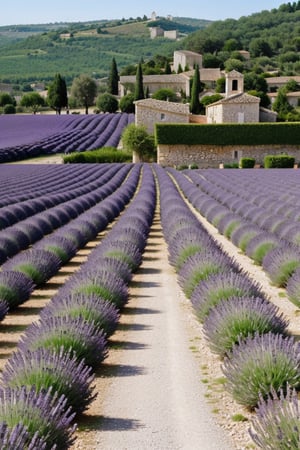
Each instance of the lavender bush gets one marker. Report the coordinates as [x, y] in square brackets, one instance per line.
[18, 438]
[293, 288]
[281, 262]
[39, 265]
[15, 287]
[221, 287]
[90, 307]
[276, 425]
[260, 363]
[81, 338]
[43, 414]
[46, 368]
[236, 318]
[260, 245]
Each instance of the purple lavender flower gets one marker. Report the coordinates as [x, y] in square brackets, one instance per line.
[102, 313]
[236, 318]
[15, 287]
[18, 438]
[281, 262]
[44, 368]
[276, 424]
[260, 363]
[260, 245]
[219, 287]
[43, 414]
[293, 287]
[83, 339]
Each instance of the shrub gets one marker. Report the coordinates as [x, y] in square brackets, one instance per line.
[39, 265]
[241, 235]
[91, 308]
[101, 156]
[4, 307]
[260, 363]
[43, 414]
[15, 287]
[281, 262]
[18, 438]
[76, 335]
[260, 245]
[46, 368]
[276, 425]
[107, 103]
[9, 109]
[293, 288]
[221, 287]
[279, 162]
[62, 247]
[199, 267]
[236, 318]
[127, 104]
[228, 223]
[247, 163]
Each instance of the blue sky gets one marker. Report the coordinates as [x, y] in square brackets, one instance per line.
[35, 11]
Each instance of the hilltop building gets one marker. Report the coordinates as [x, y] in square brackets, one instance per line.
[186, 59]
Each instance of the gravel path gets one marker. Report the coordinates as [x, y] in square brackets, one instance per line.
[150, 391]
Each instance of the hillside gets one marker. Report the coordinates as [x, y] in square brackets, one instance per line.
[35, 53]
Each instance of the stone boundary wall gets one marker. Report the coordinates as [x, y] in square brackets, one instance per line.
[211, 156]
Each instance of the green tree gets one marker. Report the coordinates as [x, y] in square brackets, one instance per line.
[113, 79]
[281, 104]
[168, 70]
[84, 90]
[195, 106]
[135, 138]
[139, 87]
[165, 94]
[127, 104]
[107, 103]
[33, 101]
[6, 99]
[9, 109]
[57, 95]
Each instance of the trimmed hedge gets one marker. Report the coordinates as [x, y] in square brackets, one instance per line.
[228, 134]
[247, 163]
[102, 155]
[279, 162]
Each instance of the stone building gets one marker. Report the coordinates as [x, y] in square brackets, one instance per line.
[148, 112]
[178, 83]
[186, 59]
[236, 106]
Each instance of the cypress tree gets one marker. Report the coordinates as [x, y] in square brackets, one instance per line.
[57, 94]
[195, 106]
[139, 88]
[113, 80]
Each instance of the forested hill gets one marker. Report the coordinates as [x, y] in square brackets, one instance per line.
[31, 53]
[264, 34]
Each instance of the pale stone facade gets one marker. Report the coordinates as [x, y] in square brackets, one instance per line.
[148, 112]
[240, 108]
[178, 83]
[185, 58]
[211, 156]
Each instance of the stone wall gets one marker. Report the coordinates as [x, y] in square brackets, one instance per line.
[211, 156]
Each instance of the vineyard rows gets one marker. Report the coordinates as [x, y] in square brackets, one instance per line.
[48, 213]
[25, 136]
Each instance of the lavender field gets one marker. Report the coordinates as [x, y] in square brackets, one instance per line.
[48, 213]
[25, 136]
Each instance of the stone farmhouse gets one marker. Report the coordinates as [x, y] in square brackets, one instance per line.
[236, 106]
[186, 60]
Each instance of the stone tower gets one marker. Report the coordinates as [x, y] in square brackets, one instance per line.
[234, 83]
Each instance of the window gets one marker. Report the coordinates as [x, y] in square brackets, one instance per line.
[162, 116]
[234, 85]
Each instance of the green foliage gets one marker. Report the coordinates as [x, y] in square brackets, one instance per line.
[126, 104]
[57, 96]
[279, 161]
[165, 94]
[6, 99]
[195, 106]
[208, 99]
[247, 163]
[107, 103]
[32, 101]
[113, 79]
[228, 134]
[136, 139]
[139, 88]
[84, 90]
[9, 109]
[102, 155]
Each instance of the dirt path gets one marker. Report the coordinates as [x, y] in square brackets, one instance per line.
[151, 394]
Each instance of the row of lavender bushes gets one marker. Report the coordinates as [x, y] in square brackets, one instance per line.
[71, 134]
[49, 379]
[264, 225]
[36, 265]
[260, 361]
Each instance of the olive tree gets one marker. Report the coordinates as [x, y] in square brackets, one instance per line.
[84, 90]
